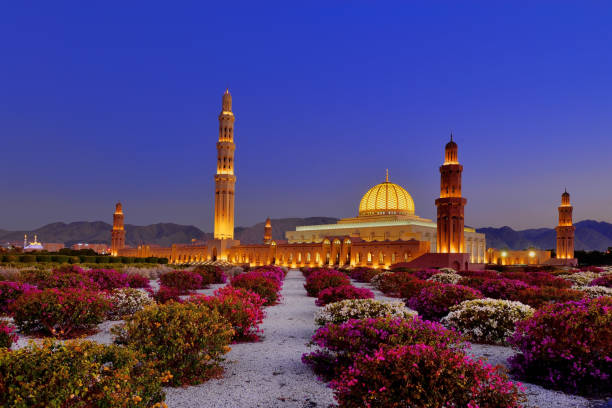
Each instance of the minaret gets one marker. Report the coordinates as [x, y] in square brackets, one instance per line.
[225, 179]
[267, 232]
[450, 233]
[118, 232]
[565, 229]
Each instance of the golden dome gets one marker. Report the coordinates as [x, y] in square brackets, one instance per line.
[386, 198]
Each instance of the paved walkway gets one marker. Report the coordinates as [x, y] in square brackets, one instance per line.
[268, 373]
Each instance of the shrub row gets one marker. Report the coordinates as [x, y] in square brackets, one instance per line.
[44, 258]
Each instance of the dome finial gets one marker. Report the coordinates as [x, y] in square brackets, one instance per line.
[451, 135]
[387, 176]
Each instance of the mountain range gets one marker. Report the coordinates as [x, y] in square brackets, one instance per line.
[590, 235]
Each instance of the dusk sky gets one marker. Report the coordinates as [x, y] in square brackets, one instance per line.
[118, 101]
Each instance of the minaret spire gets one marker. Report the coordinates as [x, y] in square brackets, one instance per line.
[387, 176]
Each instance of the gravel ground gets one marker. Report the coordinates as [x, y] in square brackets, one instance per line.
[268, 373]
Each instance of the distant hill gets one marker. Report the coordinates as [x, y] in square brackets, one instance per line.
[163, 234]
[590, 235]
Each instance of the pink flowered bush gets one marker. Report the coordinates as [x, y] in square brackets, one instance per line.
[165, 294]
[362, 274]
[503, 288]
[58, 312]
[338, 345]
[433, 302]
[422, 375]
[108, 279]
[137, 281]
[242, 308]
[567, 346]
[323, 279]
[7, 335]
[605, 280]
[425, 274]
[337, 293]
[539, 279]
[184, 281]
[265, 284]
[10, 291]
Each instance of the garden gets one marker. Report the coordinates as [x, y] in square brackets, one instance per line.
[156, 335]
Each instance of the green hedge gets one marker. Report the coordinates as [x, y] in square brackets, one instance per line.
[62, 259]
[27, 258]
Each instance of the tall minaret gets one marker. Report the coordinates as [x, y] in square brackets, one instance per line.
[225, 179]
[267, 232]
[565, 229]
[450, 238]
[118, 231]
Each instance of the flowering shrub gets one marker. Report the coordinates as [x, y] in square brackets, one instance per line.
[210, 274]
[339, 344]
[320, 280]
[390, 283]
[445, 277]
[488, 321]
[538, 297]
[595, 269]
[411, 288]
[10, 291]
[433, 302]
[501, 288]
[7, 335]
[486, 274]
[595, 291]
[242, 308]
[567, 346]
[538, 279]
[272, 270]
[138, 281]
[108, 279]
[165, 294]
[425, 274]
[127, 301]
[184, 281]
[78, 374]
[421, 375]
[605, 280]
[265, 286]
[59, 312]
[580, 278]
[337, 293]
[362, 274]
[190, 344]
[63, 280]
[340, 312]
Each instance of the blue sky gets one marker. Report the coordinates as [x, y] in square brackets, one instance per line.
[119, 101]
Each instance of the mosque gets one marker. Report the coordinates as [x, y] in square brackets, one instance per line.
[385, 232]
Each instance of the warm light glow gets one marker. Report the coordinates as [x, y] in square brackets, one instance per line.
[386, 198]
[531, 254]
[504, 254]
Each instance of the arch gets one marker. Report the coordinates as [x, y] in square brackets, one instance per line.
[381, 258]
[369, 257]
[214, 254]
[307, 256]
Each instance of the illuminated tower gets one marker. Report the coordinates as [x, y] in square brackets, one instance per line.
[450, 234]
[268, 232]
[118, 232]
[565, 230]
[225, 179]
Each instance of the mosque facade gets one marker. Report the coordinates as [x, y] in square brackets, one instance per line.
[386, 230]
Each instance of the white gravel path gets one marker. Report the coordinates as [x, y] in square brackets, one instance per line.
[268, 373]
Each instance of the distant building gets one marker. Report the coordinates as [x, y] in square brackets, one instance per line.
[522, 257]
